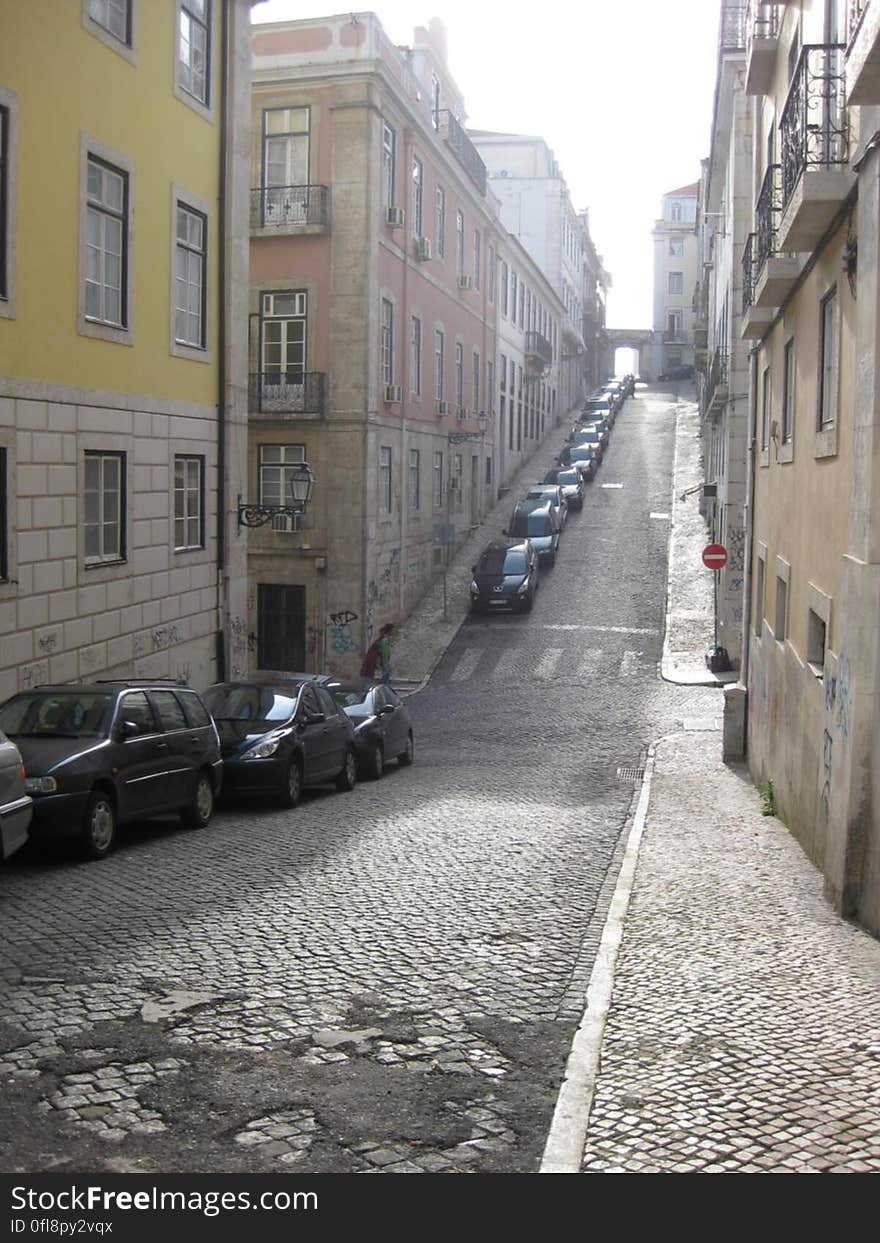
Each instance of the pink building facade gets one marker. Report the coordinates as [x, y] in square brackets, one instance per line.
[374, 335]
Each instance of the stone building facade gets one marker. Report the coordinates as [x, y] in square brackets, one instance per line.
[122, 321]
[381, 277]
[676, 273]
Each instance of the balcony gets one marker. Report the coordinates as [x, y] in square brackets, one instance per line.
[863, 53]
[450, 128]
[773, 274]
[815, 147]
[717, 388]
[762, 32]
[755, 319]
[538, 351]
[277, 393]
[289, 209]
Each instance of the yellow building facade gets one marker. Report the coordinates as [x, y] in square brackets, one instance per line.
[122, 320]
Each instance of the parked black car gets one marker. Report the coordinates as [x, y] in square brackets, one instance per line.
[589, 440]
[682, 372]
[382, 725]
[538, 524]
[100, 754]
[279, 736]
[571, 480]
[505, 577]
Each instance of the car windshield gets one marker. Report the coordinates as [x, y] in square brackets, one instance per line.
[229, 702]
[353, 702]
[542, 494]
[528, 526]
[501, 561]
[568, 476]
[61, 714]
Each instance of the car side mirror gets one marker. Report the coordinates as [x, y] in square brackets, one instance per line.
[386, 709]
[128, 729]
[473, 569]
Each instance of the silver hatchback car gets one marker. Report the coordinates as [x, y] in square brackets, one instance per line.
[16, 807]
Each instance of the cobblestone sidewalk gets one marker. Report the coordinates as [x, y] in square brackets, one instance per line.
[744, 1026]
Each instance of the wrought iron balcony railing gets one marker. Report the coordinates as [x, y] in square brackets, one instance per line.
[733, 25]
[285, 207]
[762, 20]
[814, 128]
[450, 128]
[855, 12]
[539, 348]
[767, 212]
[286, 392]
[748, 266]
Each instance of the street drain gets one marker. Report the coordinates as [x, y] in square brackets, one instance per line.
[630, 774]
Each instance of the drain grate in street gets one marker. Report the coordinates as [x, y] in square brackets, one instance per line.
[625, 773]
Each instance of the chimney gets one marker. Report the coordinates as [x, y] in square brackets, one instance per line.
[437, 36]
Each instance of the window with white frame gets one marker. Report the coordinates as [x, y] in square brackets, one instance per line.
[416, 196]
[829, 354]
[193, 48]
[114, 16]
[765, 409]
[459, 242]
[760, 589]
[438, 479]
[386, 342]
[385, 479]
[477, 258]
[676, 283]
[490, 275]
[522, 303]
[674, 325]
[283, 320]
[676, 246]
[440, 220]
[816, 639]
[106, 244]
[504, 287]
[286, 139]
[389, 163]
[513, 284]
[189, 492]
[189, 278]
[787, 430]
[459, 374]
[475, 383]
[414, 480]
[780, 624]
[458, 478]
[490, 386]
[276, 466]
[439, 363]
[415, 356]
[104, 507]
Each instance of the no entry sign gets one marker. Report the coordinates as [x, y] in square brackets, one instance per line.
[714, 556]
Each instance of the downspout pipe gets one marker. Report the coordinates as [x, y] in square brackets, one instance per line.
[220, 641]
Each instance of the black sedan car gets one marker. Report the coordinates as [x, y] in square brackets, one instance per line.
[571, 480]
[382, 726]
[101, 754]
[505, 577]
[279, 736]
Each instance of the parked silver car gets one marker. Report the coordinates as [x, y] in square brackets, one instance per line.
[16, 807]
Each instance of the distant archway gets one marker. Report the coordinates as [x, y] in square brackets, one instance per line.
[640, 341]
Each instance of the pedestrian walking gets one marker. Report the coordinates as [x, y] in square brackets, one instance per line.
[377, 658]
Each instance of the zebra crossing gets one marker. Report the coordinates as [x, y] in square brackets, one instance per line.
[518, 662]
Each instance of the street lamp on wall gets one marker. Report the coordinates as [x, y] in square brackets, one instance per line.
[302, 482]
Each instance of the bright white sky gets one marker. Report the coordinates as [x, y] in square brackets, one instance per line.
[622, 91]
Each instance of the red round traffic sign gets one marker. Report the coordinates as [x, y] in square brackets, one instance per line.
[714, 556]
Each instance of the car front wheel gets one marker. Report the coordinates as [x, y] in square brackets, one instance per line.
[347, 779]
[407, 755]
[291, 788]
[200, 810]
[375, 765]
[99, 826]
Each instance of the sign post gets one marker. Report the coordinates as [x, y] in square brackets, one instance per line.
[715, 559]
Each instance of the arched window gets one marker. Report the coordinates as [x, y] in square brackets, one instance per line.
[676, 211]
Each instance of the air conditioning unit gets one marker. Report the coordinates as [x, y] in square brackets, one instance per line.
[287, 524]
[393, 392]
[465, 281]
[463, 413]
[395, 216]
[423, 248]
[442, 407]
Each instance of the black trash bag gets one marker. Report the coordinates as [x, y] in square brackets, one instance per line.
[718, 660]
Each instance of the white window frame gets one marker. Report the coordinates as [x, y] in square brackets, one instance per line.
[415, 355]
[477, 258]
[386, 341]
[87, 326]
[117, 553]
[438, 478]
[676, 247]
[386, 492]
[760, 602]
[458, 475]
[459, 241]
[459, 374]
[127, 47]
[9, 190]
[783, 579]
[766, 410]
[417, 186]
[389, 163]
[819, 605]
[273, 477]
[196, 210]
[189, 496]
[475, 381]
[440, 221]
[490, 275]
[786, 421]
[829, 360]
[675, 284]
[414, 495]
[439, 363]
[185, 9]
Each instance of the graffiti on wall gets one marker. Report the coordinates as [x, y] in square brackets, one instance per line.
[339, 636]
[380, 588]
[736, 542]
[164, 636]
[827, 766]
[838, 691]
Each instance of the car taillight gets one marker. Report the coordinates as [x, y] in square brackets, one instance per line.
[22, 771]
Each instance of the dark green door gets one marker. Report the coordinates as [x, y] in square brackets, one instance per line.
[281, 627]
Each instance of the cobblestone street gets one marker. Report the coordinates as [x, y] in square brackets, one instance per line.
[385, 980]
